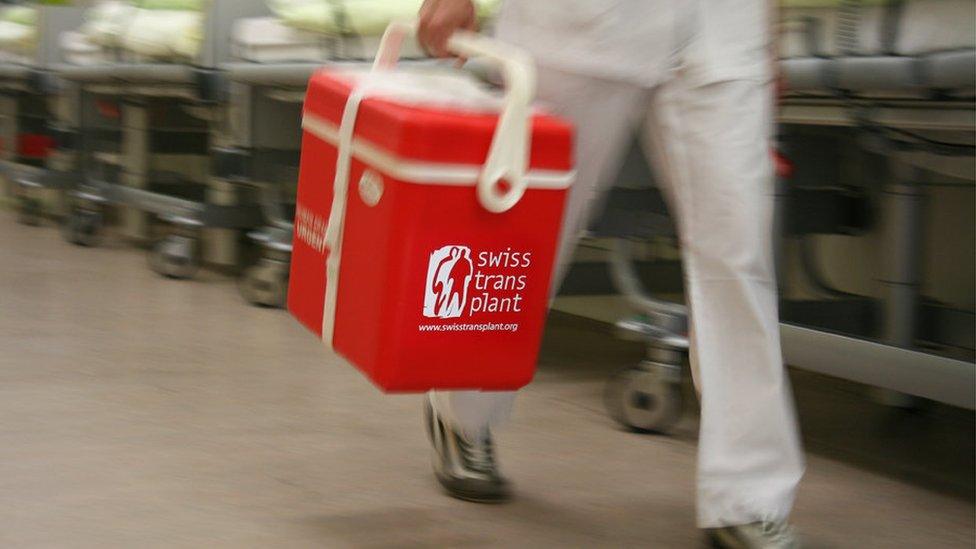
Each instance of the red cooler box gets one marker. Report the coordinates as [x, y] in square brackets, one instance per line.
[427, 223]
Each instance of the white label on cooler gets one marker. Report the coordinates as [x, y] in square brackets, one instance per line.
[449, 274]
[310, 228]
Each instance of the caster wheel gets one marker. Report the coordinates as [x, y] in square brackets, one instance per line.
[175, 257]
[29, 211]
[83, 227]
[266, 284]
[646, 399]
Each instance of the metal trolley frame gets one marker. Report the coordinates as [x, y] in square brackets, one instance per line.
[263, 149]
[30, 100]
[204, 220]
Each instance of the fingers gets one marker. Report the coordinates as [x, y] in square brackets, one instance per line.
[423, 23]
[439, 19]
[428, 27]
[434, 35]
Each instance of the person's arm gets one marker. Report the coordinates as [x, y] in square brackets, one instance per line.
[439, 19]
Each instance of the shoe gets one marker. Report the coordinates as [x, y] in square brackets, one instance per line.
[466, 468]
[758, 535]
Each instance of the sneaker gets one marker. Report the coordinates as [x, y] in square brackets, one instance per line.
[758, 535]
[465, 467]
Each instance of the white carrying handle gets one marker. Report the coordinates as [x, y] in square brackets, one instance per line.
[508, 157]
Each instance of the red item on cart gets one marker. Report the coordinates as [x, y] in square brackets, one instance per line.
[425, 233]
[32, 145]
[35, 146]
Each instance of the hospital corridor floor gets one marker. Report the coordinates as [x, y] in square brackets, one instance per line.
[137, 411]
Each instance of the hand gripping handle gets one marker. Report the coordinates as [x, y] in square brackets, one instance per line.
[508, 156]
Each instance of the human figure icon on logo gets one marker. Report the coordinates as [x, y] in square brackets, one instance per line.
[448, 275]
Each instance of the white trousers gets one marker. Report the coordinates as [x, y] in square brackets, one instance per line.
[709, 142]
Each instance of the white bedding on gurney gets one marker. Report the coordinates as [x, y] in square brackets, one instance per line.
[355, 17]
[812, 28]
[303, 31]
[18, 33]
[322, 30]
[170, 30]
[270, 40]
[879, 47]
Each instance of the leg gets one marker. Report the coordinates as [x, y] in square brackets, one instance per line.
[473, 412]
[712, 141]
[604, 113]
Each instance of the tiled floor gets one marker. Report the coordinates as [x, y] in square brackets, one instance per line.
[142, 412]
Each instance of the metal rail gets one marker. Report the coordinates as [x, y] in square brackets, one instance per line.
[135, 73]
[903, 370]
[285, 74]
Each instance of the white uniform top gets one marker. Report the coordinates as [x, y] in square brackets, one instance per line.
[640, 40]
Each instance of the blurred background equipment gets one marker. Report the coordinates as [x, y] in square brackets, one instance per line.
[877, 123]
[176, 124]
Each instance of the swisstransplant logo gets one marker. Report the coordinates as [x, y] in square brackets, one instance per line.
[448, 277]
[461, 282]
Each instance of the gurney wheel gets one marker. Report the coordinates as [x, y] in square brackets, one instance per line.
[646, 399]
[83, 227]
[29, 211]
[175, 256]
[266, 284]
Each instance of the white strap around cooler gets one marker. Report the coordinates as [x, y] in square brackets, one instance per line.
[337, 215]
[507, 157]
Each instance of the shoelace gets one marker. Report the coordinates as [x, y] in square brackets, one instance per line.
[478, 455]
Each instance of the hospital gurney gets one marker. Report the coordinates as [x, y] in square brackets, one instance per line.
[267, 80]
[898, 77]
[31, 163]
[262, 150]
[169, 108]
